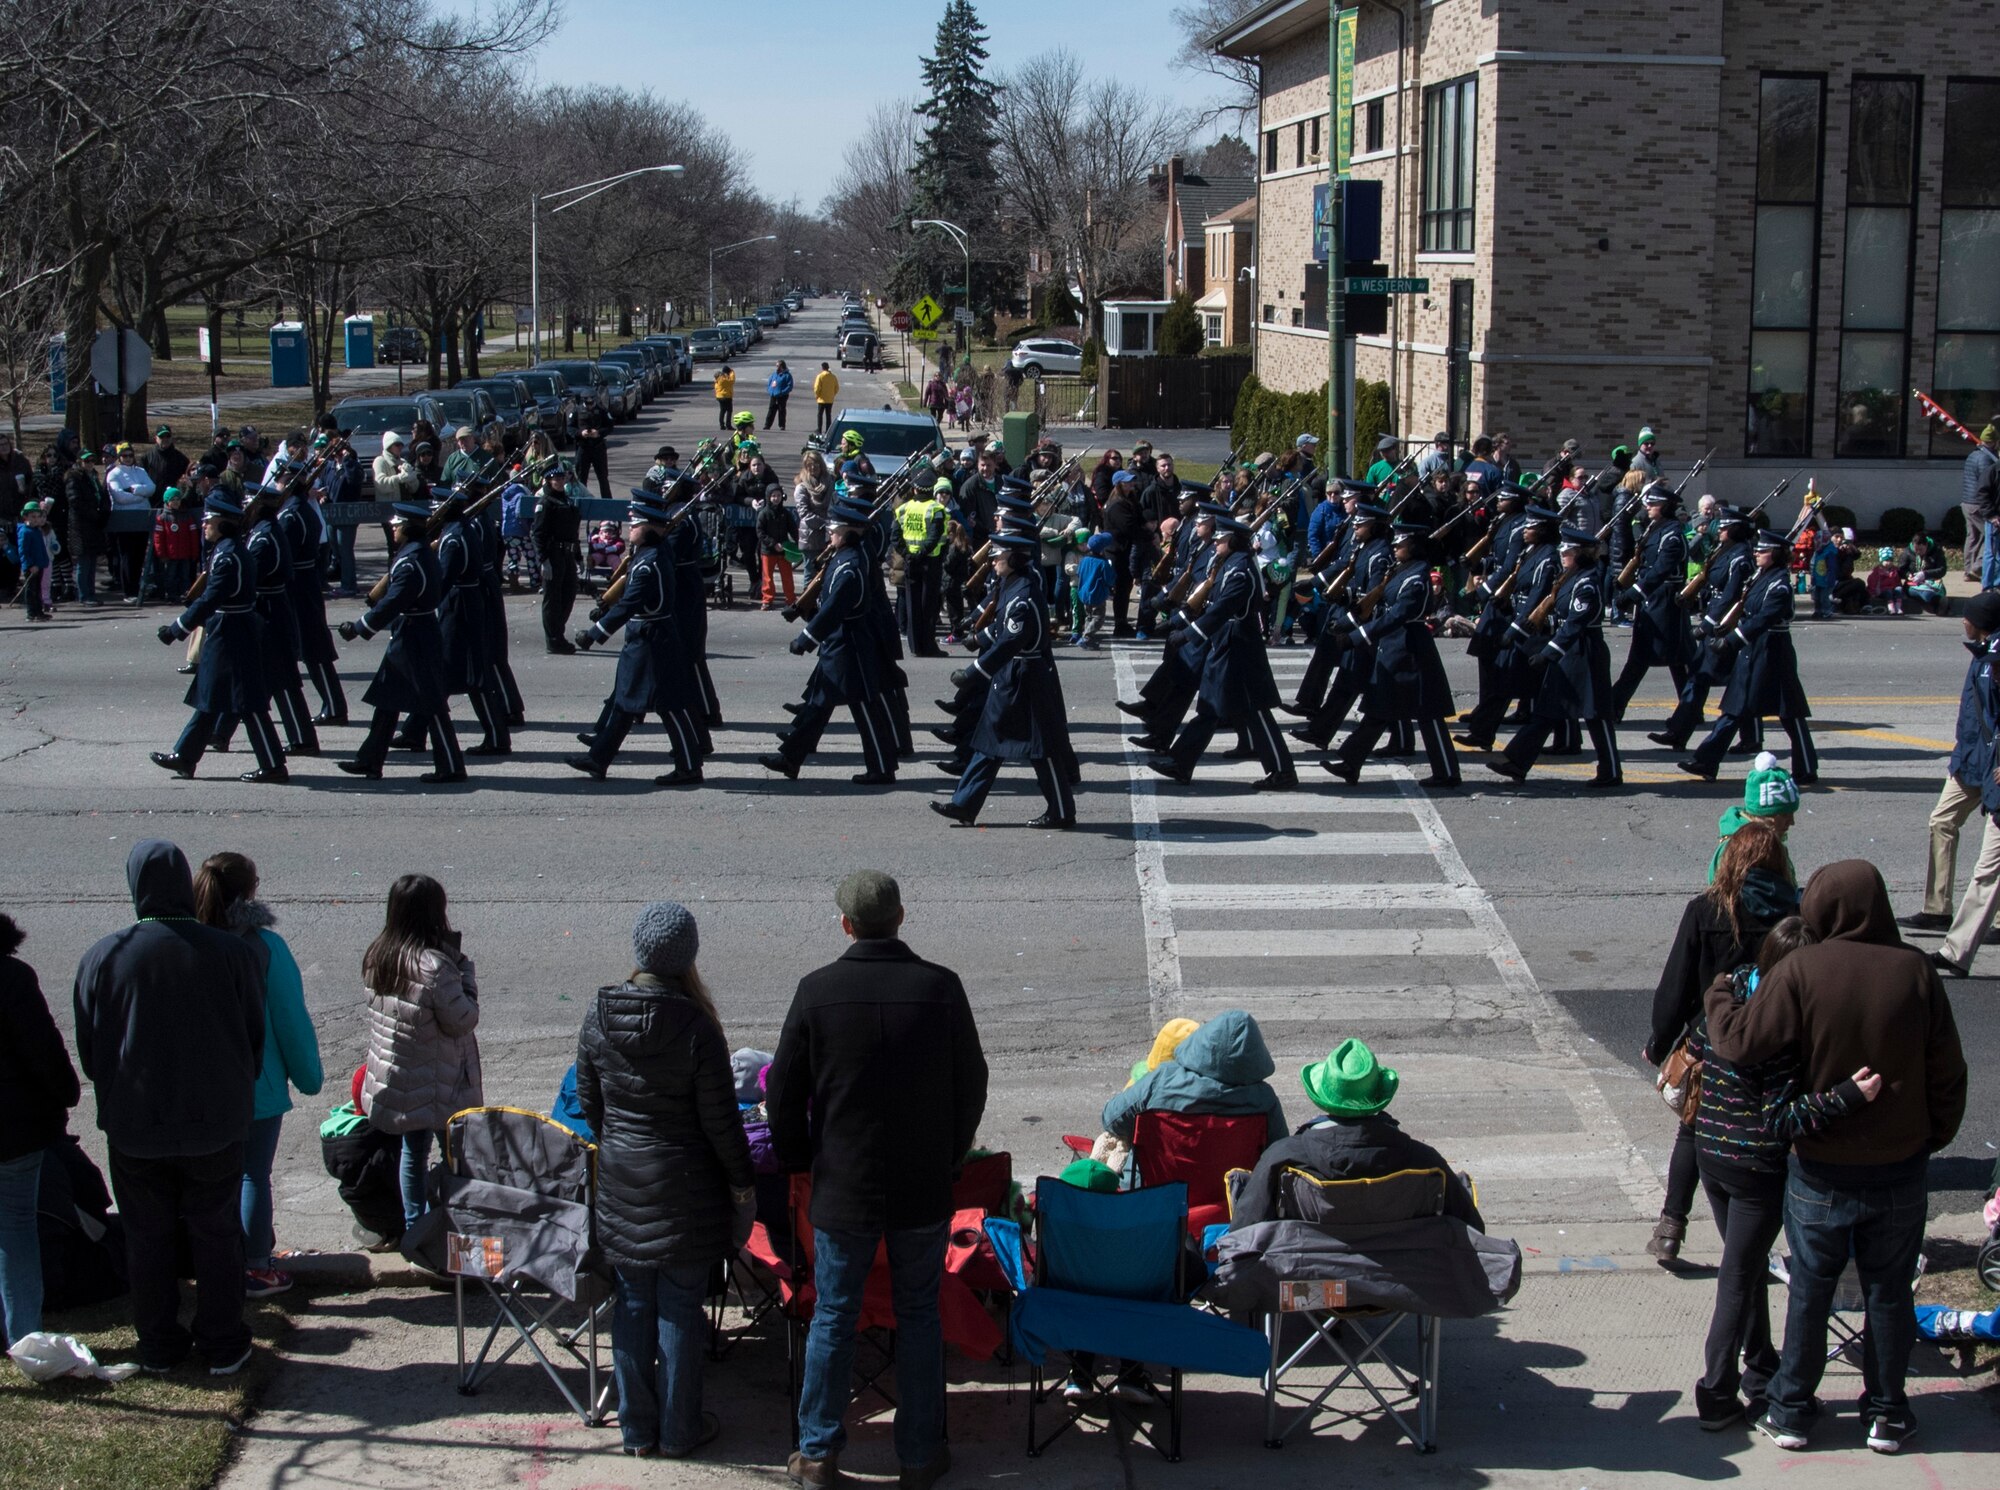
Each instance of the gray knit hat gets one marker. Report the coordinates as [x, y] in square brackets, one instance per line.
[664, 939]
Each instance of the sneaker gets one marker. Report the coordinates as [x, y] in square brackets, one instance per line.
[234, 1366]
[264, 1283]
[1784, 1438]
[1078, 1390]
[1136, 1389]
[1715, 1416]
[1886, 1435]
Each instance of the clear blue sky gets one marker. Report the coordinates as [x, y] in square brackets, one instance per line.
[792, 81]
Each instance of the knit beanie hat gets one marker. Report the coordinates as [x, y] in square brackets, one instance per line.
[664, 939]
[1088, 1174]
[1769, 791]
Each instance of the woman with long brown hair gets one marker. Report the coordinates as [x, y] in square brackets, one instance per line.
[1753, 889]
[225, 897]
[423, 1009]
[674, 1185]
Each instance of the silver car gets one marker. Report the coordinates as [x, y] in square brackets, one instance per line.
[1038, 355]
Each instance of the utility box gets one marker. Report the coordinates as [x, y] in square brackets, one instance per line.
[360, 336]
[291, 367]
[1018, 433]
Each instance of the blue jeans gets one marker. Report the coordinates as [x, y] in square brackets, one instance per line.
[260, 1149]
[1989, 566]
[86, 579]
[1882, 1229]
[410, 1173]
[20, 1247]
[840, 1269]
[657, 1334]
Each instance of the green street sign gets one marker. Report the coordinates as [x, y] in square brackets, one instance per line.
[1387, 286]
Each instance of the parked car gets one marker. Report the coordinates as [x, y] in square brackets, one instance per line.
[854, 327]
[795, 302]
[1038, 355]
[365, 421]
[677, 348]
[552, 402]
[888, 436]
[634, 362]
[448, 408]
[750, 328]
[767, 315]
[860, 349]
[510, 401]
[738, 334]
[579, 375]
[656, 364]
[620, 383]
[401, 344]
[710, 344]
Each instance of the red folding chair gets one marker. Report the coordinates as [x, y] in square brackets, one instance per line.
[1197, 1149]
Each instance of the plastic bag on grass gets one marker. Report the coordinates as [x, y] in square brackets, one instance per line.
[44, 1357]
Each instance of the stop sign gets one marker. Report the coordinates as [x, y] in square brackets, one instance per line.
[900, 320]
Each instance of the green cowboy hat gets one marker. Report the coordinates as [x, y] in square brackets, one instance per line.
[1350, 1082]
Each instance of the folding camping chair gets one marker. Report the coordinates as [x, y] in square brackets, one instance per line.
[514, 1198]
[1356, 1339]
[1110, 1280]
[1847, 1319]
[1196, 1149]
[718, 583]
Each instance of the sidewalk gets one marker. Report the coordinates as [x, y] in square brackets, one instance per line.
[1584, 1385]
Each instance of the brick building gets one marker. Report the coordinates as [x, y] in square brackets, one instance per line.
[1752, 226]
[1229, 253]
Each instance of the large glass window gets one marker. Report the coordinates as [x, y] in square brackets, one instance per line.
[1784, 281]
[1451, 135]
[1875, 285]
[1965, 376]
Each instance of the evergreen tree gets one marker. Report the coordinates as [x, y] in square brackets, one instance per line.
[1180, 332]
[954, 177]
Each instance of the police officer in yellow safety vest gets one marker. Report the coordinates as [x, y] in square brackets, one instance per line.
[921, 523]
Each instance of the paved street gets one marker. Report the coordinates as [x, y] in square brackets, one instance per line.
[1498, 946]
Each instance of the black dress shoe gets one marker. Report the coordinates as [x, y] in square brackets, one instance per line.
[404, 742]
[1660, 737]
[779, 764]
[584, 764]
[1442, 783]
[1137, 711]
[323, 717]
[302, 751]
[1298, 711]
[185, 668]
[490, 747]
[442, 778]
[1164, 765]
[678, 778]
[1277, 781]
[946, 734]
[1472, 742]
[950, 768]
[355, 768]
[954, 707]
[1347, 773]
[1921, 921]
[166, 760]
[266, 774]
[1502, 765]
[1152, 744]
[561, 647]
[1050, 820]
[796, 708]
[873, 778]
[1696, 768]
[585, 737]
[962, 816]
[1307, 737]
[1605, 783]
[517, 719]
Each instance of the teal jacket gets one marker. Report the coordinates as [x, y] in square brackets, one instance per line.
[291, 1049]
[1223, 1068]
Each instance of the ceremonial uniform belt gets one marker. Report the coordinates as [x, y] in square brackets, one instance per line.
[236, 610]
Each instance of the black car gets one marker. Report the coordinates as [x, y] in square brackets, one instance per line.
[512, 402]
[552, 402]
[401, 344]
[364, 421]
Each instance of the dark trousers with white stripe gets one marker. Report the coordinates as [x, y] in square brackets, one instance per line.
[1527, 745]
[616, 724]
[871, 723]
[1264, 739]
[1326, 654]
[446, 758]
[1805, 755]
[982, 770]
[896, 703]
[1437, 743]
[295, 715]
[1638, 662]
[332, 702]
[489, 707]
[204, 727]
[1330, 715]
[1481, 722]
[1687, 716]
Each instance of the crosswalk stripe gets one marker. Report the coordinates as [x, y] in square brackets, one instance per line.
[1259, 844]
[1437, 941]
[1288, 804]
[1432, 895]
[1430, 1003]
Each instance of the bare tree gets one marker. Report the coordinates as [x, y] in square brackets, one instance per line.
[1197, 21]
[871, 195]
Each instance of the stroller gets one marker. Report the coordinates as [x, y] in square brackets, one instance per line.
[1988, 1264]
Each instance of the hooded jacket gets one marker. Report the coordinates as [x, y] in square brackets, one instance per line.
[654, 1081]
[1222, 1068]
[169, 1019]
[1860, 997]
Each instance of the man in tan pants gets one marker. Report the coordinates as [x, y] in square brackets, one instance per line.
[1970, 785]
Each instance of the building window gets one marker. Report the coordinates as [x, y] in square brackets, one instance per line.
[1370, 130]
[1299, 143]
[1315, 297]
[1875, 286]
[1966, 375]
[1315, 138]
[1270, 315]
[1270, 150]
[1784, 275]
[1211, 327]
[1451, 133]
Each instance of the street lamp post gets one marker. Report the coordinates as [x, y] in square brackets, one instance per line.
[579, 193]
[760, 238]
[964, 241]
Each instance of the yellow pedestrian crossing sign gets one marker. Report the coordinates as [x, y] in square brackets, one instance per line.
[926, 313]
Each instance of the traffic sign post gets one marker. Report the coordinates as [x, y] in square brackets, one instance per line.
[120, 363]
[900, 321]
[961, 316]
[1388, 286]
[926, 313]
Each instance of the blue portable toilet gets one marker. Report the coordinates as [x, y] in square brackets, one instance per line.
[360, 341]
[290, 366]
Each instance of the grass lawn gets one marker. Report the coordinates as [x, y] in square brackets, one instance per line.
[148, 1432]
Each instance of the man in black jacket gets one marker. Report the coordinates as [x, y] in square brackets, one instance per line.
[555, 534]
[878, 1087]
[170, 1031]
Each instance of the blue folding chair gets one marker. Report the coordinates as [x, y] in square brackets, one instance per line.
[1110, 1280]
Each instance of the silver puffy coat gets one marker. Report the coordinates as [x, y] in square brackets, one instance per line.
[423, 1057]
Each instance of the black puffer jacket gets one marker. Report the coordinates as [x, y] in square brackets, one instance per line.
[653, 1078]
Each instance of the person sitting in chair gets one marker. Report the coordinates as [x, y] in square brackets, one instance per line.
[1222, 1068]
[1353, 1139]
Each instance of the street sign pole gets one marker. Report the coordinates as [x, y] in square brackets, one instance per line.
[1341, 28]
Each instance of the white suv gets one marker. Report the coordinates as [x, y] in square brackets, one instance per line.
[1037, 356]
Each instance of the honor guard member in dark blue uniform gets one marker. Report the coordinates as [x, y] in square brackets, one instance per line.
[690, 589]
[1167, 695]
[271, 560]
[1409, 680]
[1013, 518]
[1498, 684]
[850, 668]
[1572, 668]
[1728, 577]
[880, 614]
[1659, 624]
[300, 523]
[411, 677]
[1373, 558]
[465, 627]
[1022, 716]
[1328, 646]
[654, 675]
[1236, 686]
[491, 551]
[1520, 645]
[230, 678]
[1763, 667]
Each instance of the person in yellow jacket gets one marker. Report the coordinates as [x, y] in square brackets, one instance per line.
[826, 387]
[921, 522]
[725, 395]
